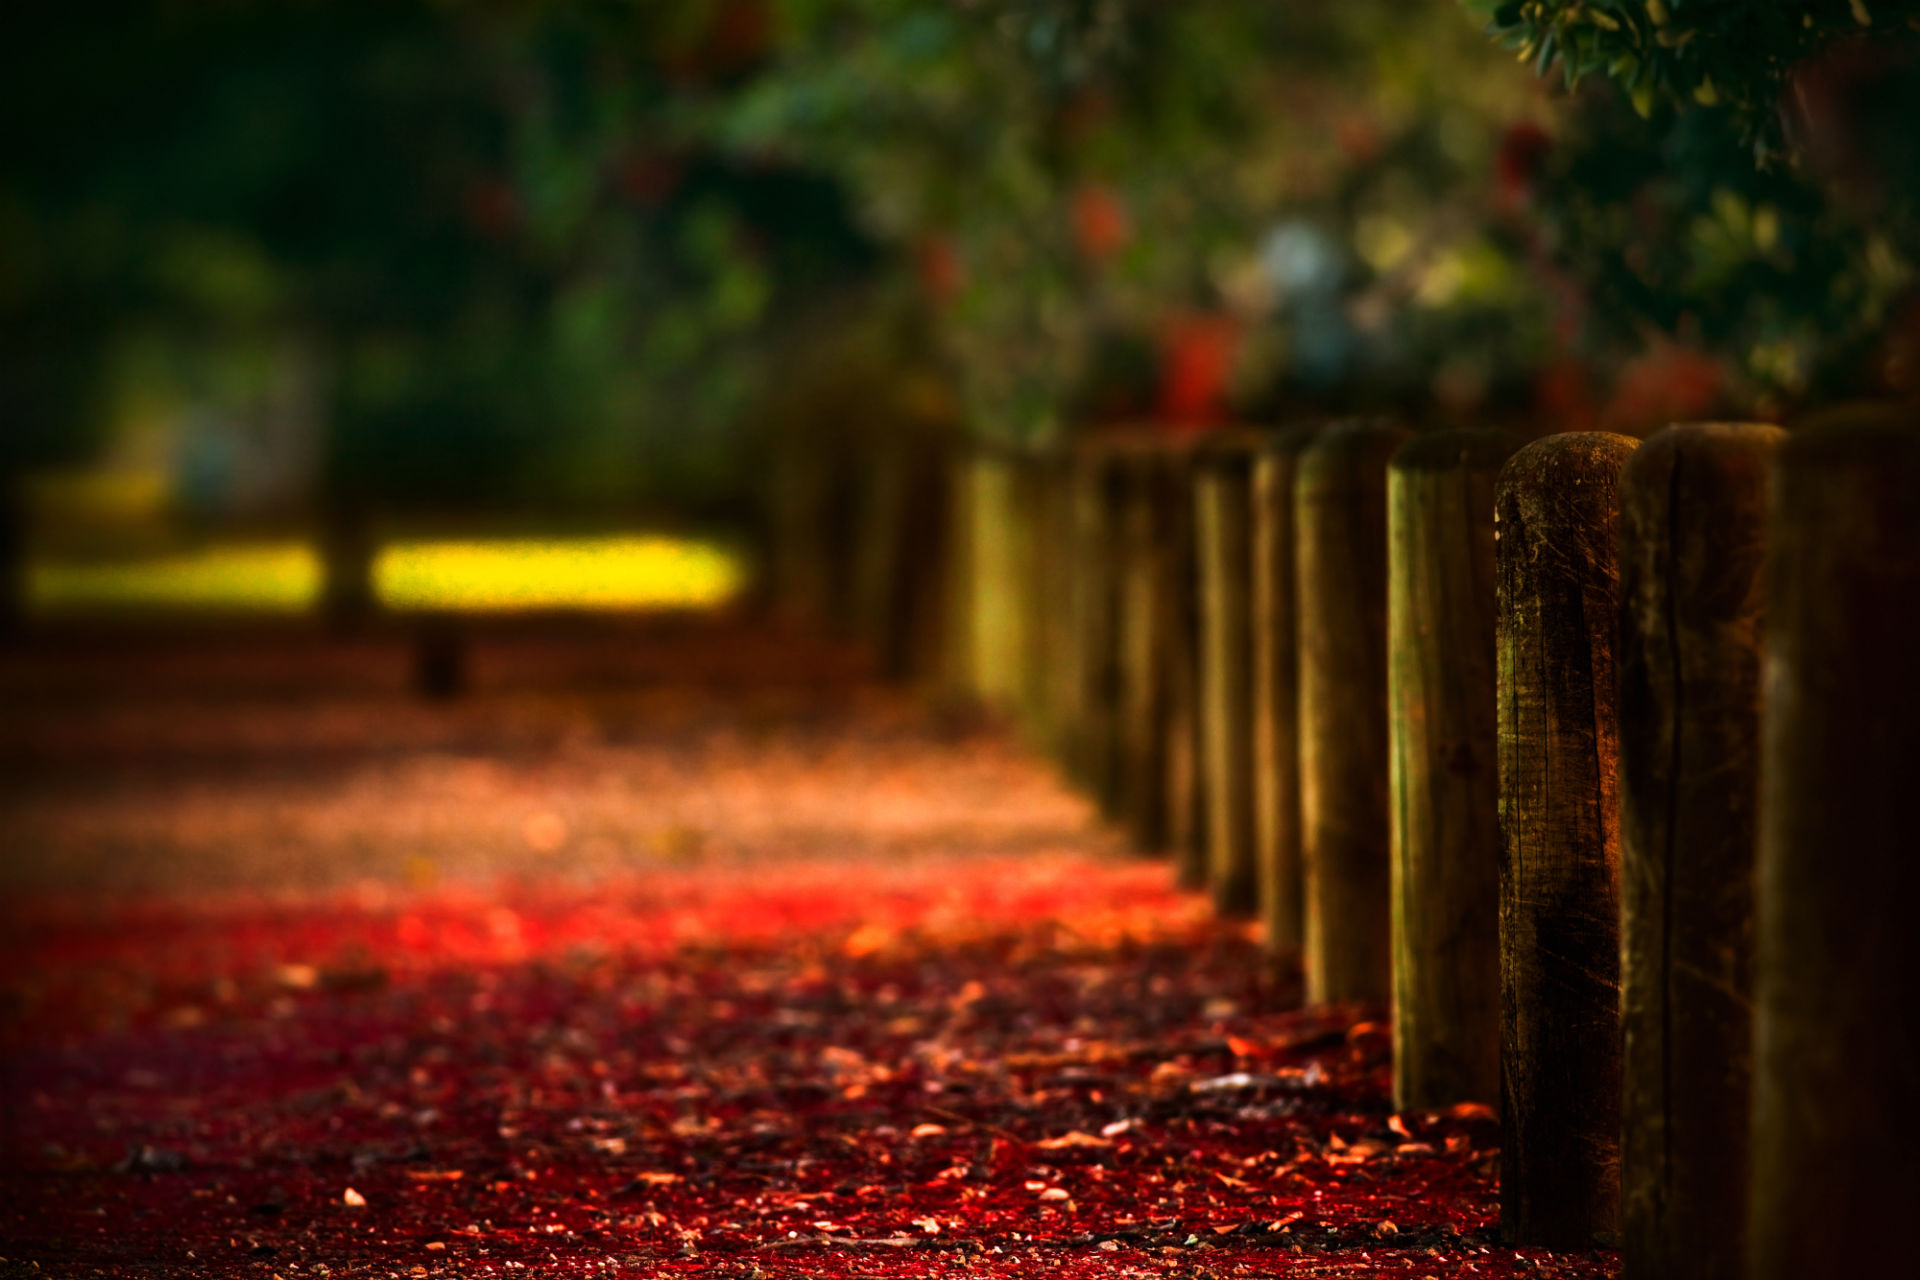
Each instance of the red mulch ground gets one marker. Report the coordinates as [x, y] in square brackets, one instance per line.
[671, 950]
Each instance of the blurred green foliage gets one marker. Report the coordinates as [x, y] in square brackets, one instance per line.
[1757, 205]
[1738, 55]
[1099, 194]
[575, 252]
[470, 223]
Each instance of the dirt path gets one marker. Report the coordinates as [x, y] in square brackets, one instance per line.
[669, 950]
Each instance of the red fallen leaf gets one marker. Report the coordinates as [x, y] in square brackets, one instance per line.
[1242, 1048]
[657, 1178]
[436, 1175]
[1073, 1139]
[928, 1131]
[1281, 1224]
[1399, 1126]
[1477, 1111]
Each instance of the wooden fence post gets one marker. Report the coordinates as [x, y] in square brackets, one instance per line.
[1185, 780]
[1096, 764]
[1836, 1044]
[1340, 531]
[1276, 690]
[1692, 539]
[1147, 618]
[900, 556]
[998, 538]
[1445, 791]
[1055, 572]
[1223, 481]
[1557, 518]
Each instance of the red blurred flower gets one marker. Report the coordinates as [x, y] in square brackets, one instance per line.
[1563, 395]
[491, 207]
[735, 39]
[938, 265]
[1667, 383]
[1100, 225]
[1523, 149]
[1359, 138]
[1196, 361]
[648, 178]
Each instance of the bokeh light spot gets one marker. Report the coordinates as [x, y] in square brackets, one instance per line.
[633, 572]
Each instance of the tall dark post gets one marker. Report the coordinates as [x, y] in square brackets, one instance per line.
[1095, 760]
[1185, 783]
[1557, 521]
[1055, 578]
[1148, 615]
[1692, 541]
[1441, 692]
[1276, 690]
[1836, 1046]
[1340, 524]
[348, 601]
[1223, 525]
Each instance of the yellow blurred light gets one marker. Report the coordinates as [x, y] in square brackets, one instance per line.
[1382, 242]
[634, 572]
[259, 578]
[606, 573]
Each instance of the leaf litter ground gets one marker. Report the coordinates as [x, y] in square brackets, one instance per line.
[674, 949]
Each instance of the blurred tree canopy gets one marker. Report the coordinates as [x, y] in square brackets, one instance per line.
[573, 250]
[1760, 212]
[1120, 208]
[468, 223]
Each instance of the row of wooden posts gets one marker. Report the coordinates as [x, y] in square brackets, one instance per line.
[1591, 756]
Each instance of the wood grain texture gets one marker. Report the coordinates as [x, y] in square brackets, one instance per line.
[1692, 541]
[1837, 1047]
[1340, 532]
[1441, 697]
[1557, 521]
[1223, 524]
[1276, 691]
